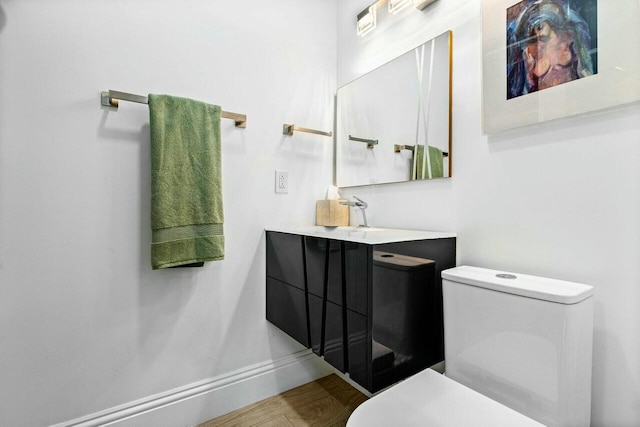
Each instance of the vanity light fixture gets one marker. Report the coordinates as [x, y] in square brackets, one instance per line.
[395, 6]
[366, 20]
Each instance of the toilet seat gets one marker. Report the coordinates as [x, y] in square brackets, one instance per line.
[431, 399]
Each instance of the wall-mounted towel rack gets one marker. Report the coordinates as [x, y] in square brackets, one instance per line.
[110, 99]
[288, 129]
[397, 148]
[370, 142]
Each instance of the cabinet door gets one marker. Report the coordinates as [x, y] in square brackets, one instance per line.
[285, 260]
[315, 323]
[334, 336]
[324, 268]
[327, 331]
[443, 252]
[357, 265]
[287, 309]
[359, 349]
[316, 257]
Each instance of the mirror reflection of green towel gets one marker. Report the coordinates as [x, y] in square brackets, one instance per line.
[436, 161]
[186, 190]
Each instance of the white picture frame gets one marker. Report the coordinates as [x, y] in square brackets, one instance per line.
[616, 82]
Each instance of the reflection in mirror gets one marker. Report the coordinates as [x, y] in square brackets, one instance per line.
[387, 117]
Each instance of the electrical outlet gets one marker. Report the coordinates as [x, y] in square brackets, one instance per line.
[282, 181]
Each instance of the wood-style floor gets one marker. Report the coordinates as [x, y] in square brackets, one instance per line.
[326, 402]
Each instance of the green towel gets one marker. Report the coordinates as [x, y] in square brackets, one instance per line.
[435, 160]
[186, 189]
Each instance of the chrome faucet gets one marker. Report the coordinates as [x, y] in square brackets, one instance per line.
[358, 204]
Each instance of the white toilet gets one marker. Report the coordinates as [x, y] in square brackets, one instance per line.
[517, 351]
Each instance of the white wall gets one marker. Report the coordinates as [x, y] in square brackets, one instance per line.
[85, 324]
[559, 200]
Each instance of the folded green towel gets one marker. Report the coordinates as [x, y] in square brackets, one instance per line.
[435, 161]
[186, 189]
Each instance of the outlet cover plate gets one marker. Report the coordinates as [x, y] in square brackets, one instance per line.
[282, 182]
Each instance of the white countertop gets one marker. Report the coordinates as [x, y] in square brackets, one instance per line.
[370, 235]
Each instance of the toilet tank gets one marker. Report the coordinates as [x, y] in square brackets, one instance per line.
[521, 340]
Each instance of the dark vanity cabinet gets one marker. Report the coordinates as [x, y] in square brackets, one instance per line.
[371, 310]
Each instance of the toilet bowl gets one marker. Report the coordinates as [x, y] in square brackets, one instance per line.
[517, 351]
[431, 399]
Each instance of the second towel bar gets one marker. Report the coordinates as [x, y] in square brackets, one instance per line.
[370, 142]
[288, 129]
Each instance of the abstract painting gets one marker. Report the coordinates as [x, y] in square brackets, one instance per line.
[550, 42]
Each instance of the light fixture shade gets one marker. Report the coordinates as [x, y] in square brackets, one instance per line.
[366, 20]
[421, 4]
[396, 6]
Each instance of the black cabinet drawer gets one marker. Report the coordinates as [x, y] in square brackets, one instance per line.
[285, 258]
[357, 261]
[359, 349]
[334, 336]
[315, 323]
[324, 268]
[326, 322]
[287, 309]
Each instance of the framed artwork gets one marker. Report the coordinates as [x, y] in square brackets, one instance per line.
[547, 59]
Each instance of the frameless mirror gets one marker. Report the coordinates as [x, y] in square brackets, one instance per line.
[386, 119]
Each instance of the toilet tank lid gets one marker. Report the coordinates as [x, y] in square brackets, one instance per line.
[559, 291]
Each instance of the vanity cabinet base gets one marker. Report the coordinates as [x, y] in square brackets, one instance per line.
[372, 311]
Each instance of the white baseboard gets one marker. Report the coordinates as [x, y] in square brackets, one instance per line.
[204, 400]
